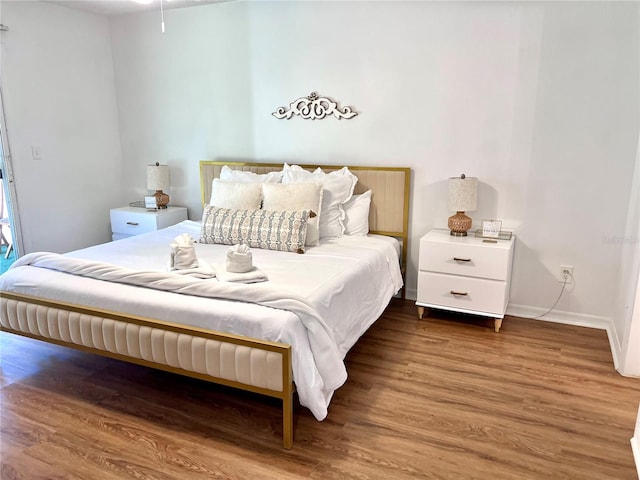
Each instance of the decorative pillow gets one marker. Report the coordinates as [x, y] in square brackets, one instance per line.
[356, 221]
[241, 176]
[273, 230]
[299, 196]
[235, 195]
[337, 188]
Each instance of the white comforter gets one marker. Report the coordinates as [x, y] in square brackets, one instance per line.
[320, 302]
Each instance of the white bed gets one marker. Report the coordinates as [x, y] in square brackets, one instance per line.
[295, 328]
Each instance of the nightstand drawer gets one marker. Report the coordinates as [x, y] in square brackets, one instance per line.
[462, 293]
[468, 259]
[129, 221]
[132, 223]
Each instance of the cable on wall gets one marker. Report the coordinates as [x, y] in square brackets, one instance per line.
[564, 284]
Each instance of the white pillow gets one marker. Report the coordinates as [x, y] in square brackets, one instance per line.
[356, 221]
[337, 188]
[240, 196]
[297, 196]
[231, 175]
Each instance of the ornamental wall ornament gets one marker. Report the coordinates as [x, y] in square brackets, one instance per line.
[313, 107]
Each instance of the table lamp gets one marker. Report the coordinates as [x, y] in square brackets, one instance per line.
[463, 195]
[158, 179]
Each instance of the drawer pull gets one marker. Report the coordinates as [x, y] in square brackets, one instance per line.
[461, 294]
[457, 259]
[135, 224]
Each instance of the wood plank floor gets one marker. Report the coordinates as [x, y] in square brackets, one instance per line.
[443, 398]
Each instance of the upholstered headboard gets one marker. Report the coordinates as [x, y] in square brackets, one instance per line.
[390, 187]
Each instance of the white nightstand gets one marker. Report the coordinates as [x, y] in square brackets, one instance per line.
[464, 274]
[129, 221]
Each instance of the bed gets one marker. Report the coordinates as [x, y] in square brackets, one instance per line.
[112, 301]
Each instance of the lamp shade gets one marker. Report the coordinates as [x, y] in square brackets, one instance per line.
[157, 177]
[463, 193]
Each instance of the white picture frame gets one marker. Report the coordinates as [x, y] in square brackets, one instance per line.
[150, 202]
[491, 228]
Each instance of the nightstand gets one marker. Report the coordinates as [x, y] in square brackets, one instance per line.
[464, 274]
[129, 221]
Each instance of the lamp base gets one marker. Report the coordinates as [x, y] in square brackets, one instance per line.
[459, 224]
[162, 199]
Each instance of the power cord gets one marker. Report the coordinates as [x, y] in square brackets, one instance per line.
[564, 284]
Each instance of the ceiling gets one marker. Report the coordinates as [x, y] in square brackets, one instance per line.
[122, 7]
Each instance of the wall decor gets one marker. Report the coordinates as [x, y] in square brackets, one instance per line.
[314, 107]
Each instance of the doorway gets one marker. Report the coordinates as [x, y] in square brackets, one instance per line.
[10, 245]
[7, 249]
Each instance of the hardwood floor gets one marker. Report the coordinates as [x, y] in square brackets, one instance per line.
[444, 398]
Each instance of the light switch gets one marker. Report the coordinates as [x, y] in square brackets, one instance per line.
[35, 152]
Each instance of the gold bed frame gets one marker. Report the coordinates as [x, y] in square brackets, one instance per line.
[63, 323]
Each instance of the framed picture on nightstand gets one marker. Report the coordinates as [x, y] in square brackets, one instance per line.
[491, 228]
[150, 202]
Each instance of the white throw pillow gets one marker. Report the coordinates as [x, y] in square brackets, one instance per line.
[241, 196]
[231, 175]
[356, 221]
[299, 196]
[337, 188]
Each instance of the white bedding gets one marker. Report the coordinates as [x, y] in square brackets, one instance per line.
[345, 283]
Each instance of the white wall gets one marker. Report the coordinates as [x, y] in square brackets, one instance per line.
[183, 96]
[445, 88]
[539, 100]
[57, 79]
[583, 152]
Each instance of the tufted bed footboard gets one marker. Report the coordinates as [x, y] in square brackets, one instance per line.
[255, 365]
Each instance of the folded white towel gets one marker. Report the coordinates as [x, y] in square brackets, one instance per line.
[183, 253]
[203, 270]
[239, 259]
[254, 275]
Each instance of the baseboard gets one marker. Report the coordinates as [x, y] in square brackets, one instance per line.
[572, 318]
[559, 316]
[635, 443]
[411, 294]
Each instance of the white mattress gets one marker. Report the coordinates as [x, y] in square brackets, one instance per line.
[348, 281]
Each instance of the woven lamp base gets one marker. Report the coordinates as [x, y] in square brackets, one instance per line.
[162, 199]
[459, 224]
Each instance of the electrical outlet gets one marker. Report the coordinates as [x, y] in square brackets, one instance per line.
[566, 274]
[36, 153]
